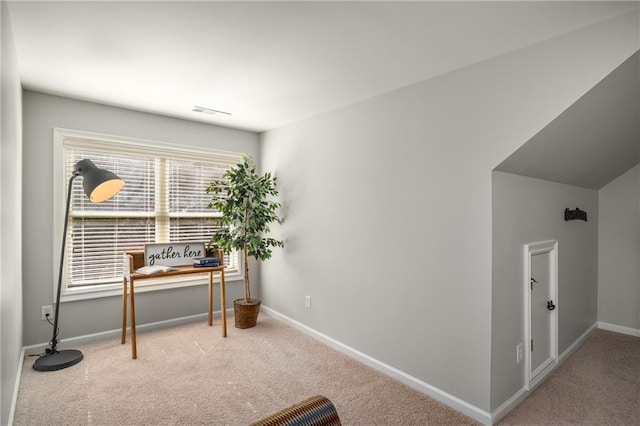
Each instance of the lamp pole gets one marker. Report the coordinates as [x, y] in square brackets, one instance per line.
[99, 185]
[54, 359]
[54, 339]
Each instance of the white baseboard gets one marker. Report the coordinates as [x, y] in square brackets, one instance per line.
[16, 386]
[517, 398]
[509, 404]
[579, 341]
[435, 393]
[90, 338]
[619, 329]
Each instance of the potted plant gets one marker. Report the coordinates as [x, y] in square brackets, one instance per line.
[245, 200]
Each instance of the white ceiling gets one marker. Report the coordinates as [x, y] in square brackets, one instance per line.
[269, 64]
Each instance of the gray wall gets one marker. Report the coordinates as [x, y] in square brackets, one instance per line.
[408, 172]
[388, 207]
[527, 210]
[619, 252]
[41, 114]
[10, 216]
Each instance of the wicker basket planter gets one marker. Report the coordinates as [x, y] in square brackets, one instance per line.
[246, 312]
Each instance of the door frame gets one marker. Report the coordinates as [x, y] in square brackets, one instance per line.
[551, 247]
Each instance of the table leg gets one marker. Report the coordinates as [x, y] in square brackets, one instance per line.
[134, 349]
[223, 304]
[124, 311]
[210, 299]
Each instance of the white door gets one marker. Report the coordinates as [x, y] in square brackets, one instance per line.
[541, 316]
[541, 312]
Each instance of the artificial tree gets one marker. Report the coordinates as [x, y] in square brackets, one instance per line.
[246, 202]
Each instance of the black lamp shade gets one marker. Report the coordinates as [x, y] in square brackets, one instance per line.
[98, 184]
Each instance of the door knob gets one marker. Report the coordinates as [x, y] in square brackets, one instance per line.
[550, 305]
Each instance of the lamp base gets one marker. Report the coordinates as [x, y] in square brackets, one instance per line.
[58, 360]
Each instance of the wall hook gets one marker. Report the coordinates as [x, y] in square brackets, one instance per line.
[575, 214]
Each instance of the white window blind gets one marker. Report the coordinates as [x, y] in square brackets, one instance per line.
[163, 200]
[189, 218]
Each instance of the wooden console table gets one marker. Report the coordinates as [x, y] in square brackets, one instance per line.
[134, 260]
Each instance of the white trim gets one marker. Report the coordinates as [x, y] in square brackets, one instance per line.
[16, 386]
[533, 378]
[510, 404]
[432, 391]
[63, 138]
[577, 343]
[110, 334]
[518, 397]
[59, 197]
[619, 329]
[78, 138]
[542, 372]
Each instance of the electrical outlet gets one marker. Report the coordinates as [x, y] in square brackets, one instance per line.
[46, 310]
[519, 353]
[307, 302]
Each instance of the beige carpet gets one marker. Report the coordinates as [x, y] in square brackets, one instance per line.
[598, 385]
[190, 375]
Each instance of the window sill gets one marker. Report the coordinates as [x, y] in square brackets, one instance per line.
[111, 290]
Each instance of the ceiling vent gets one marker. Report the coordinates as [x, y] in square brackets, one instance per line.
[208, 111]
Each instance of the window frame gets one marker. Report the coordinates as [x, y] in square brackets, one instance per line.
[61, 136]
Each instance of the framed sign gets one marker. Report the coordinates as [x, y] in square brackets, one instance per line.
[172, 254]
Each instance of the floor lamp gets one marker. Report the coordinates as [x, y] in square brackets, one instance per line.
[99, 185]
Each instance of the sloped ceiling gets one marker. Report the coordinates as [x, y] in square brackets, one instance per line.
[274, 63]
[270, 63]
[592, 142]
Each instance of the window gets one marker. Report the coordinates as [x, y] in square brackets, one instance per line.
[163, 200]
